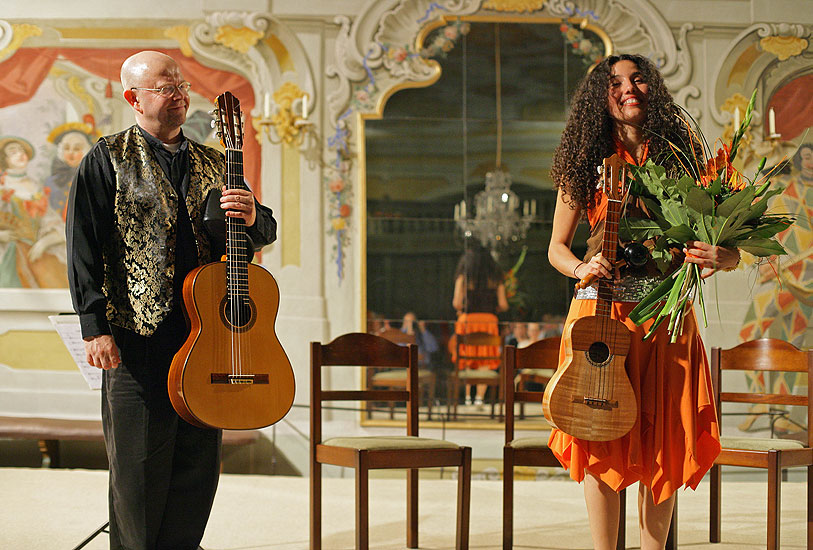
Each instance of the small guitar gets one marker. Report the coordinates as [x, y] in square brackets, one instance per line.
[231, 372]
[590, 396]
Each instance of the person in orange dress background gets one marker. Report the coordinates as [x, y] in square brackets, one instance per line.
[622, 106]
[479, 294]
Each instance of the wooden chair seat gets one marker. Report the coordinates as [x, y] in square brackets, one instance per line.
[389, 442]
[399, 376]
[759, 444]
[484, 374]
[363, 454]
[542, 373]
[538, 443]
[772, 455]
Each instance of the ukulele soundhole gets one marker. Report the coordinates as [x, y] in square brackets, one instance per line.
[598, 354]
[238, 314]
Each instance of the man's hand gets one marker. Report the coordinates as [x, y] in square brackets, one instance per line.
[239, 203]
[101, 352]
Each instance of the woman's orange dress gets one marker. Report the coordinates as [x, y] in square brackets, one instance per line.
[676, 437]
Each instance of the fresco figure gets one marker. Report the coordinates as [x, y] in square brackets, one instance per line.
[782, 304]
[32, 234]
[72, 141]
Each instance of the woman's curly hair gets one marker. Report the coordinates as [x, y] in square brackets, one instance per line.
[587, 138]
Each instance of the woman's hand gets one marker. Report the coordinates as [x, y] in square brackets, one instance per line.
[711, 257]
[598, 266]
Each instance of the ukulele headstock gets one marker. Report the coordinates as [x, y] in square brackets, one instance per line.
[229, 121]
[614, 177]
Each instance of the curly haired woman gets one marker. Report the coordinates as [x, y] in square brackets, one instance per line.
[623, 107]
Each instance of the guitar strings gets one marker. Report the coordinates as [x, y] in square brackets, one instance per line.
[237, 272]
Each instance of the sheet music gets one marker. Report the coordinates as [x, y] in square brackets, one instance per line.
[67, 326]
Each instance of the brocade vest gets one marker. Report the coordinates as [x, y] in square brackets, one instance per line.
[140, 252]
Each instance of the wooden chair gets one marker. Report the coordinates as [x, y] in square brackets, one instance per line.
[534, 451]
[408, 452]
[470, 347]
[774, 455]
[397, 378]
[540, 374]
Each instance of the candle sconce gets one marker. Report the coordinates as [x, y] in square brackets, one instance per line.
[286, 115]
[772, 135]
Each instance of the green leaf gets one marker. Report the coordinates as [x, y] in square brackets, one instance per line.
[740, 199]
[680, 233]
[699, 200]
[762, 247]
[638, 229]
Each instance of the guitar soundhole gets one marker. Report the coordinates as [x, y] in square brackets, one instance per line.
[598, 353]
[239, 313]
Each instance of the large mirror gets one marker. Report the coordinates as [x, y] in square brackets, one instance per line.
[457, 175]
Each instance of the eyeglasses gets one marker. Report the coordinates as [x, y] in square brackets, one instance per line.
[168, 91]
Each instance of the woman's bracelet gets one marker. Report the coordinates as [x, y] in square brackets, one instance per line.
[733, 267]
[577, 267]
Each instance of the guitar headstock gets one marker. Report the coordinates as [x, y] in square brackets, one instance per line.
[614, 177]
[229, 121]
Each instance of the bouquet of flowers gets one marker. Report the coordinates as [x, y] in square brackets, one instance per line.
[713, 203]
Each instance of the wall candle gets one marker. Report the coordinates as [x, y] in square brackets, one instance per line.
[456, 211]
[267, 106]
[304, 105]
[463, 208]
[533, 207]
[771, 122]
[736, 118]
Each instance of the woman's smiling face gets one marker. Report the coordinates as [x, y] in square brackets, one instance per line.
[627, 96]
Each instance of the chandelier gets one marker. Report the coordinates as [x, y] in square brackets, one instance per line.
[496, 222]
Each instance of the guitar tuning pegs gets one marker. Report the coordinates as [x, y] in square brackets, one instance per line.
[600, 169]
[213, 123]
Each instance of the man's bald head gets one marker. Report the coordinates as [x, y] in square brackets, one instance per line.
[141, 66]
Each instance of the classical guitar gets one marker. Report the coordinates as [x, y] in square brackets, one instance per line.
[231, 372]
[590, 396]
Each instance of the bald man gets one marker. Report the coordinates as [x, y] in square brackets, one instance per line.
[134, 231]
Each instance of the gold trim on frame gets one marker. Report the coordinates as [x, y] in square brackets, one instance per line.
[284, 60]
[21, 31]
[238, 39]
[514, 5]
[784, 47]
[180, 33]
[112, 33]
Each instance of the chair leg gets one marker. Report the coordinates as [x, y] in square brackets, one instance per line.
[621, 540]
[430, 398]
[715, 504]
[774, 495]
[412, 508]
[362, 502]
[508, 499]
[809, 507]
[463, 500]
[672, 536]
[316, 505]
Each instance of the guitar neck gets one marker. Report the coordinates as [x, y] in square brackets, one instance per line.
[608, 250]
[236, 242]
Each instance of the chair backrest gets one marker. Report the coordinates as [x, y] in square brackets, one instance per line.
[359, 349]
[543, 354]
[397, 337]
[475, 345]
[763, 355]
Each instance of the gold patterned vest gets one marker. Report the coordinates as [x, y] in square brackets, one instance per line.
[140, 253]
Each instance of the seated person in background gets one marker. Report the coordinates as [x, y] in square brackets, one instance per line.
[517, 334]
[425, 340]
[533, 333]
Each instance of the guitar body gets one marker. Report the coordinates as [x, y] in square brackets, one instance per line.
[231, 376]
[590, 396]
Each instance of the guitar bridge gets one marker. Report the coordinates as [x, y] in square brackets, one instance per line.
[228, 378]
[596, 403]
